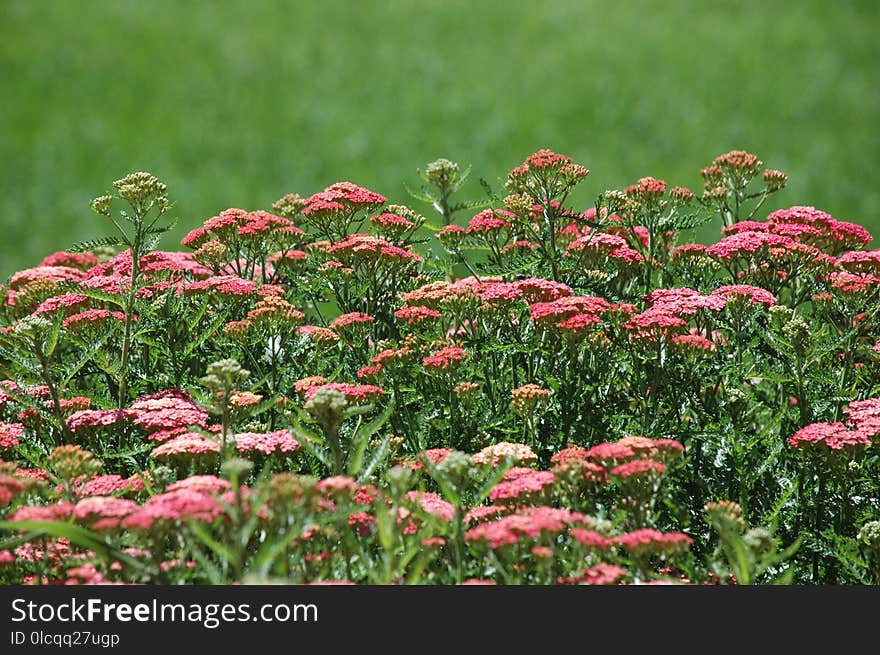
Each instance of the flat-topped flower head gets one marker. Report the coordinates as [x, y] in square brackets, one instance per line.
[753, 294]
[527, 398]
[353, 393]
[103, 512]
[280, 441]
[639, 468]
[496, 453]
[545, 174]
[526, 524]
[829, 437]
[489, 220]
[647, 188]
[444, 359]
[113, 484]
[186, 447]
[10, 435]
[524, 485]
[183, 504]
[650, 541]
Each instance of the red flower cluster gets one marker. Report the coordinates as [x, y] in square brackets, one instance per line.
[416, 314]
[648, 541]
[167, 413]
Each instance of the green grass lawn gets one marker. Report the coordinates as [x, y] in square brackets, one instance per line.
[237, 103]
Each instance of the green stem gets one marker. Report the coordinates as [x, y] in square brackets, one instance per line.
[129, 311]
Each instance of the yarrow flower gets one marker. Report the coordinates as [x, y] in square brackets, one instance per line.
[489, 220]
[355, 393]
[204, 483]
[756, 295]
[833, 436]
[91, 317]
[496, 453]
[10, 435]
[320, 335]
[432, 504]
[103, 512]
[598, 574]
[186, 447]
[280, 441]
[518, 484]
[108, 485]
[650, 541]
[416, 314]
[445, 358]
[525, 399]
[351, 321]
[182, 504]
[528, 523]
[167, 413]
[638, 468]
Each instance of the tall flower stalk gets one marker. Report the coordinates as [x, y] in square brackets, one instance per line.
[147, 202]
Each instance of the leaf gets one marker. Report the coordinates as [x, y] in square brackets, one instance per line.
[215, 576]
[121, 454]
[52, 341]
[91, 244]
[378, 456]
[215, 546]
[207, 332]
[491, 480]
[423, 196]
[87, 355]
[487, 188]
[317, 452]
[271, 548]
[94, 294]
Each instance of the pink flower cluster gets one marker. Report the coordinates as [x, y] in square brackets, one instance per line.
[353, 392]
[445, 358]
[489, 220]
[91, 317]
[593, 248]
[342, 196]
[186, 447]
[223, 285]
[863, 419]
[182, 504]
[358, 248]
[528, 523]
[519, 483]
[10, 435]
[233, 222]
[645, 541]
[280, 441]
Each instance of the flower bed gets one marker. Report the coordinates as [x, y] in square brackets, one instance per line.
[514, 391]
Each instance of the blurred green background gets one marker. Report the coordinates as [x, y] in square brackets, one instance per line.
[237, 103]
